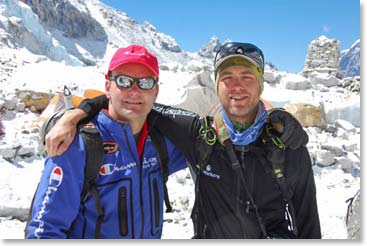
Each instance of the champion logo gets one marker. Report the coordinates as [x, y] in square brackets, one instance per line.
[109, 168]
[56, 177]
[106, 169]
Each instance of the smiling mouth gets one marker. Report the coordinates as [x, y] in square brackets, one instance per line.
[238, 98]
[133, 102]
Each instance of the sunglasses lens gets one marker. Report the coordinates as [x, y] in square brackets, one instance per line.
[124, 81]
[146, 83]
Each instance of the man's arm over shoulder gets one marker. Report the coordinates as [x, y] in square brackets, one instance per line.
[177, 160]
[92, 107]
[57, 198]
[180, 126]
[62, 133]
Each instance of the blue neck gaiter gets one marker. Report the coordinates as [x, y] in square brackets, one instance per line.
[250, 134]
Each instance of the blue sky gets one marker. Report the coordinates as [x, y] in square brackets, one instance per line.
[283, 29]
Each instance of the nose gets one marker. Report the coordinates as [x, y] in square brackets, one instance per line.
[236, 84]
[134, 89]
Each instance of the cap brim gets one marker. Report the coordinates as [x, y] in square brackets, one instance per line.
[235, 56]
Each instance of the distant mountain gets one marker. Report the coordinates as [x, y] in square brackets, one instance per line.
[350, 60]
[81, 33]
[210, 48]
[86, 33]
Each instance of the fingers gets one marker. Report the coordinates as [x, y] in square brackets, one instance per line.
[288, 132]
[291, 131]
[63, 146]
[60, 137]
[57, 142]
[52, 144]
[278, 127]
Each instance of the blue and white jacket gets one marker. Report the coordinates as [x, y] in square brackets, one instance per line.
[130, 188]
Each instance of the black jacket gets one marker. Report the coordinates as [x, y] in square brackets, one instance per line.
[222, 208]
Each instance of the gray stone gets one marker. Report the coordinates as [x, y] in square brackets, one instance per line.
[163, 68]
[330, 128]
[7, 153]
[346, 125]
[296, 82]
[341, 133]
[201, 96]
[26, 151]
[324, 158]
[10, 103]
[345, 163]
[327, 80]
[335, 148]
[350, 147]
[20, 107]
[298, 85]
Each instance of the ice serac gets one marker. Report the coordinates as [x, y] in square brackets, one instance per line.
[62, 15]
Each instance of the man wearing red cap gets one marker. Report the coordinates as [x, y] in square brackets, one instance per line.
[130, 182]
[251, 181]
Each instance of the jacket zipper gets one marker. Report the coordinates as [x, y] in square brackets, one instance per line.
[247, 174]
[140, 170]
[122, 207]
[156, 202]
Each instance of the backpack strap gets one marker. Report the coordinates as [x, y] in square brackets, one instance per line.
[161, 147]
[206, 139]
[94, 156]
[94, 160]
[275, 155]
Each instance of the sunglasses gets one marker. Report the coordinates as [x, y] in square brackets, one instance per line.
[125, 81]
[248, 50]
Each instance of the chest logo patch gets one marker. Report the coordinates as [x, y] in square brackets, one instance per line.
[110, 147]
[208, 172]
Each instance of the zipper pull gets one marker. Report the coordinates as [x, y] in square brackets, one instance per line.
[248, 206]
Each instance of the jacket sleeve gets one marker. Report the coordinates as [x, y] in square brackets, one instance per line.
[92, 107]
[304, 197]
[57, 199]
[176, 159]
[181, 127]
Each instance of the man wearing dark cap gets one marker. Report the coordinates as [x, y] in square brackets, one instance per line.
[251, 181]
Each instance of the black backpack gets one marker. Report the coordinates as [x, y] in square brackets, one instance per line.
[94, 160]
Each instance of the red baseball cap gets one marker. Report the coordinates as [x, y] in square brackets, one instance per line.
[134, 54]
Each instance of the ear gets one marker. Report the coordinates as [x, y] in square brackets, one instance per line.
[108, 89]
[156, 92]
